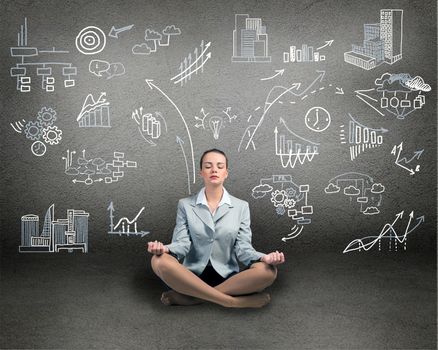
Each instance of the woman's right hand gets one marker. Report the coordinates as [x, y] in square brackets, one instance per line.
[157, 248]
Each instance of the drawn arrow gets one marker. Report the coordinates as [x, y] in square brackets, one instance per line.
[327, 43]
[194, 62]
[397, 160]
[181, 142]
[191, 72]
[339, 91]
[278, 72]
[152, 86]
[111, 210]
[293, 234]
[114, 33]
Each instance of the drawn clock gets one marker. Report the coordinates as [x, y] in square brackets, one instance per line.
[317, 119]
[38, 148]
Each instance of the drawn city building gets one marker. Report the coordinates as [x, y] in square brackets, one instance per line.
[94, 113]
[68, 234]
[382, 42]
[42, 62]
[250, 40]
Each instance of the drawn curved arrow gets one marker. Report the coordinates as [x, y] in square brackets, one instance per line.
[277, 72]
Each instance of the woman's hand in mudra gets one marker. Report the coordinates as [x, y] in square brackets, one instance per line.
[157, 248]
[274, 258]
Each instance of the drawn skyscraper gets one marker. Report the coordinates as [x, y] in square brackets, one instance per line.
[250, 40]
[391, 25]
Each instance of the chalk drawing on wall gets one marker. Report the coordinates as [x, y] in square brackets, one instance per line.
[404, 163]
[389, 233]
[250, 40]
[397, 94]
[95, 113]
[274, 96]
[278, 72]
[150, 126]
[114, 32]
[179, 139]
[43, 61]
[154, 39]
[360, 137]
[287, 198]
[214, 123]
[382, 43]
[90, 40]
[68, 234]
[307, 53]
[89, 171]
[105, 69]
[317, 119]
[187, 67]
[125, 226]
[39, 130]
[359, 188]
[292, 148]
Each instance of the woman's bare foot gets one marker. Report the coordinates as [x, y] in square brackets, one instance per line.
[174, 298]
[256, 300]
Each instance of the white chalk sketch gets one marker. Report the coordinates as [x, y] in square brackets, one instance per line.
[274, 95]
[287, 197]
[89, 171]
[90, 40]
[397, 94]
[43, 61]
[404, 163]
[40, 130]
[114, 32]
[250, 40]
[291, 147]
[360, 137]
[383, 42]
[214, 123]
[306, 54]
[154, 39]
[105, 69]
[278, 72]
[68, 234]
[125, 226]
[317, 119]
[149, 125]
[360, 188]
[152, 86]
[390, 233]
[95, 113]
[187, 67]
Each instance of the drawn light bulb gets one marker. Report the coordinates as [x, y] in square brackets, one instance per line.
[215, 124]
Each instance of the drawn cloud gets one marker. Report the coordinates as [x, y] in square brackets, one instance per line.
[371, 211]
[351, 191]
[377, 188]
[72, 171]
[171, 30]
[141, 49]
[418, 83]
[151, 34]
[332, 188]
[261, 190]
[393, 82]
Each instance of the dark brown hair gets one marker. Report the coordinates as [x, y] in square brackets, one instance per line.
[215, 150]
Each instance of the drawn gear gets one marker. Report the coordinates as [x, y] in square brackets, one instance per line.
[33, 130]
[52, 135]
[289, 203]
[278, 197]
[46, 116]
[280, 210]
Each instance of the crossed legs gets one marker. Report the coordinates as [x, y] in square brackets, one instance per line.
[189, 289]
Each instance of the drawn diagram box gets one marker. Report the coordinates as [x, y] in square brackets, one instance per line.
[44, 71]
[69, 83]
[307, 209]
[118, 174]
[69, 71]
[304, 188]
[24, 51]
[15, 71]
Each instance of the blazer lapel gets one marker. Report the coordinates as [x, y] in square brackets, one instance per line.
[204, 214]
[221, 211]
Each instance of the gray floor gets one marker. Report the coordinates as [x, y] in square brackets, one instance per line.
[320, 301]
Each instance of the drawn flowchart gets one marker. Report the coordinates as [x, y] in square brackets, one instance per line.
[43, 61]
[125, 226]
[397, 94]
[360, 187]
[389, 233]
[287, 197]
[68, 234]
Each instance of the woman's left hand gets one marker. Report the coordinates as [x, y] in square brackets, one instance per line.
[274, 258]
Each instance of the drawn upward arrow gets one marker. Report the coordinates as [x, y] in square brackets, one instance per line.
[327, 43]
[278, 72]
[114, 33]
[111, 210]
[153, 86]
[397, 160]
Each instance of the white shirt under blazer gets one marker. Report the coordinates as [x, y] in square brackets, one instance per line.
[223, 238]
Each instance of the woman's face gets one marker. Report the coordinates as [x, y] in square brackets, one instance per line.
[214, 169]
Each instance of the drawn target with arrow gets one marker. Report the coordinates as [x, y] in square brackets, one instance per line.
[90, 40]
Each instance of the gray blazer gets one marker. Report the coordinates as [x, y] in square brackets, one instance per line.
[223, 238]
